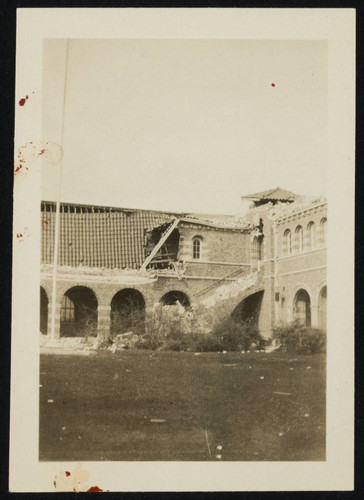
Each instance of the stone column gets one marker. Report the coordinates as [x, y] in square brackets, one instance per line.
[103, 321]
[151, 317]
[314, 315]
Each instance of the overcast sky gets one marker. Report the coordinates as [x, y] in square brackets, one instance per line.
[185, 125]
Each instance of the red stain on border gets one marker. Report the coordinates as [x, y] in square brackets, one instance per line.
[94, 489]
[273, 84]
[24, 234]
[23, 100]
[75, 481]
[31, 151]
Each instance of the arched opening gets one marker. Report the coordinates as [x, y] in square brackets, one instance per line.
[302, 308]
[287, 242]
[43, 311]
[171, 298]
[127, 312]
[311, 234]
[322, 308]
[247, 312]
[299, 239]
[79, 313]
[196, 248]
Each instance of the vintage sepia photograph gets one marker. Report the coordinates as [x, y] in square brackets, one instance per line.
[175, 186]
[183, 250]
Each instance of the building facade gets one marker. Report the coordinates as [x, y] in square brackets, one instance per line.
[116, 266]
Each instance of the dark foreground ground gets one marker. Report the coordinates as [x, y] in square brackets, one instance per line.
[255, 406]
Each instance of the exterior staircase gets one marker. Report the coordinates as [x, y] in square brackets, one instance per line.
[228, 296]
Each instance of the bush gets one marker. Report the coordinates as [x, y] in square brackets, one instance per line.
[299, 339]
[231, 335]
[167, 330]
[208, 343]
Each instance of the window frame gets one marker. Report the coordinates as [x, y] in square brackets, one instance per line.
[196, 248]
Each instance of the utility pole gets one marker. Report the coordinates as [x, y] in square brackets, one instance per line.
[58, 204]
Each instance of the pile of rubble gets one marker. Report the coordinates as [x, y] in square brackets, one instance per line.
[123, 341]
[120, 342]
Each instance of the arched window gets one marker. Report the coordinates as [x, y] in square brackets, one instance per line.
[311, 233]
[196, 248]
[299, 239]
[287, 243]
[323, 231]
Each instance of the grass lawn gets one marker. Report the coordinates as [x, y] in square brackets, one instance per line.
[256, 406]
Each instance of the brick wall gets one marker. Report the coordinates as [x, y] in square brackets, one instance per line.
[217, 245]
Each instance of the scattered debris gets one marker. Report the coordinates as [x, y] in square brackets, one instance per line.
[282, 393]
[280, 434]
[219, 447]
[218, 456]
[307, 414]
[40, 385]
[291, 369]
[158, 420]
[308, 367]
[128, 371]
[262, 377]
[242, 352]
[230, 364]
[50, 401]
[224, 352]
[63, 428]
[197, 354]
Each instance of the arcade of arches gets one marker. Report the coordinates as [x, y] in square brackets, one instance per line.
[79, 310]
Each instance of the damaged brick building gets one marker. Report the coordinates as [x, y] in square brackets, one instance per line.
[115, 265]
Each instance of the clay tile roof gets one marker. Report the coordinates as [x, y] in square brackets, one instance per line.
[277, 194]
[93, 236]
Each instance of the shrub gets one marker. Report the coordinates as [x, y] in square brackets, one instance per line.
[299, 339]
[232, 335]
[178, 340]
[208, 343]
